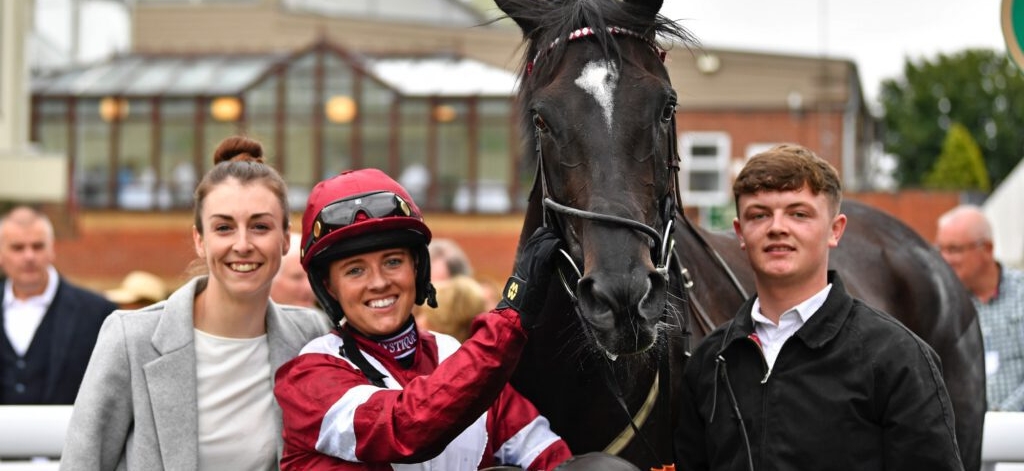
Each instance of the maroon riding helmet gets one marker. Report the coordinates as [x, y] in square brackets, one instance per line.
[356, 212]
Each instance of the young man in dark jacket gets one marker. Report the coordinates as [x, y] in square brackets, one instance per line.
[805, 376]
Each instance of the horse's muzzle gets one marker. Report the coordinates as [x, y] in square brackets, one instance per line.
[623, 310]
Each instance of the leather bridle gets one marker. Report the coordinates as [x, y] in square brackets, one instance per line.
[661, 239]
[663, 253]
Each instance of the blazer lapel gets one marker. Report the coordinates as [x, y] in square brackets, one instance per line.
[283, 338]
[171, 382]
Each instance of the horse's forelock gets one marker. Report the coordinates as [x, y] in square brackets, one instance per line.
[556, 20]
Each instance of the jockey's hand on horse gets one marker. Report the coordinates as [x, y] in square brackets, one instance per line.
[527, 288]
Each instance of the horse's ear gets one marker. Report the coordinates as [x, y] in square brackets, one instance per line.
[519, 11]
[648, 7]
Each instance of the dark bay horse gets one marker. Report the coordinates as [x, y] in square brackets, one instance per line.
[641, 284]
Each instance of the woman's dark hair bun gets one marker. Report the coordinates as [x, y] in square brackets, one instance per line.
[238, 148]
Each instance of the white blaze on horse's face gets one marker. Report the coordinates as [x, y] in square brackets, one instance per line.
[599, 79]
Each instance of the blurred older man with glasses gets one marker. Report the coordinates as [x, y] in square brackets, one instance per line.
[964, 238]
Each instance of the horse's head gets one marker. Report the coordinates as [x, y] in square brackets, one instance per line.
[598, 111]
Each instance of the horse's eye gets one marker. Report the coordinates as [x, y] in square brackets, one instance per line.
[539, 123]
[668, 111]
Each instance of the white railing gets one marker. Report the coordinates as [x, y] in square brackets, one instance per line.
[38, 431]
[1002, 446]
[31, 437]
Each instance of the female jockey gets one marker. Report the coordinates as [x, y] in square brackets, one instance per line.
[376, 392]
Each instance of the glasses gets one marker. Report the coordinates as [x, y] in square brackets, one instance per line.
[957, 249]
[344, 212]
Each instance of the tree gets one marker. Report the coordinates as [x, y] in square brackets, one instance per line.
[960, 165]
[981, 89]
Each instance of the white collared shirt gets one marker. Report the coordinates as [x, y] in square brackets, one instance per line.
[22, 317]
[772, 336]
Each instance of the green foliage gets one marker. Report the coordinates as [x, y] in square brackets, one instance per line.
[982, 89]
[960, 165]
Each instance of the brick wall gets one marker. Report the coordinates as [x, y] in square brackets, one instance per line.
[107, 245]
[819, 131]
[919, 209]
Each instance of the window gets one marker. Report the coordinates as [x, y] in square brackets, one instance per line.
[704, 178]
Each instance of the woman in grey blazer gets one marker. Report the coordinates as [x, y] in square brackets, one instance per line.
[187, 383]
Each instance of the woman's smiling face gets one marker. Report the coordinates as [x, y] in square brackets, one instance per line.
[243, 238]
[376, 290]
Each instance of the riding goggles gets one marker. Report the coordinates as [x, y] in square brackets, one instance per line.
[344, 212]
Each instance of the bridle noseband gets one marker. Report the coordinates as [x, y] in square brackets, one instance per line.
[666, 244]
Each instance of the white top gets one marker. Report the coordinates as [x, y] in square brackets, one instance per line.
[23, 316]
[772, 336]
[237, 425]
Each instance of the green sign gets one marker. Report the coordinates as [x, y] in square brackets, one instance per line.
[1013, 30]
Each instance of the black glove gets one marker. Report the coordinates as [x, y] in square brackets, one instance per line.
[527, 288]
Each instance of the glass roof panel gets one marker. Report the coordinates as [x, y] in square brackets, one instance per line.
[155, 76]
[195, 76]
[443, 76]
[236, 74]
[55, 84]
[115, 80]
[212, 75]
[73, 81]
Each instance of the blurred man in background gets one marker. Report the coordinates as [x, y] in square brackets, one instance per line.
[964, 238]
[50, 325]
[291, 285]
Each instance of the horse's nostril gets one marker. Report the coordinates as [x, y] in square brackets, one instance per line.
[611, 299]
[653, 301]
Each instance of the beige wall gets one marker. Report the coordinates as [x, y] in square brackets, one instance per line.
[33, 178]
[24, 175]
[15, 20]
[260, 28]
[743, 79]
[758, 80]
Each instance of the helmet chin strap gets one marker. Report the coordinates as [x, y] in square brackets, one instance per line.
[350, 350]
[425, 292]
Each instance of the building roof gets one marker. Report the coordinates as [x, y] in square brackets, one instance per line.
[165, 75]
[140, 75]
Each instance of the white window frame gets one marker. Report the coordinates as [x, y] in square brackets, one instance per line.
[719, 163]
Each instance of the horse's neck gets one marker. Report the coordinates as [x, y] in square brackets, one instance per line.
[721, 278]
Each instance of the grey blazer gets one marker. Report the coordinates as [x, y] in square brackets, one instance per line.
[137, 408]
